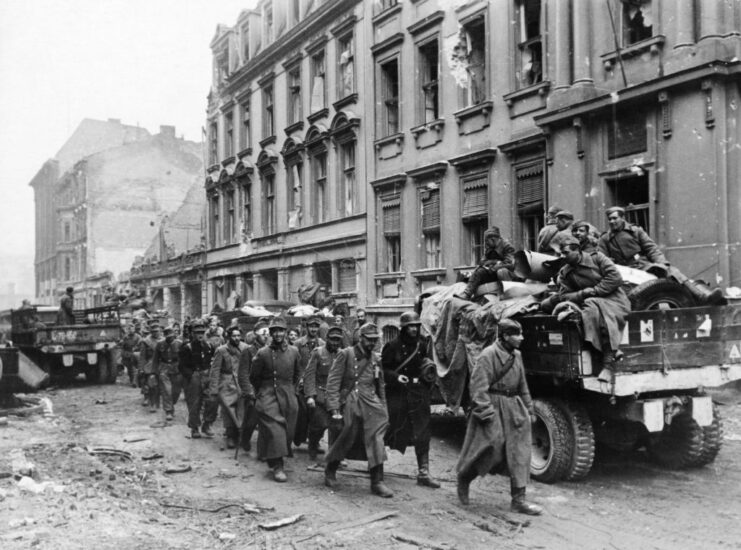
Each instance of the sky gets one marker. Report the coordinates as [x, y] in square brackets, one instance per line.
[145, 62]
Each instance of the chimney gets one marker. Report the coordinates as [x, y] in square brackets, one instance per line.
[168, 131]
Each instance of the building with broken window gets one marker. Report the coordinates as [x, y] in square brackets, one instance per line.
[99, 202]
[286, 154]
[411, 127]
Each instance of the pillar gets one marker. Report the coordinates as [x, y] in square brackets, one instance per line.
[685, 23]
[184, 308]
[283, 293]
[257, 284]
[582, 51]
[562, 54]
[710, 23]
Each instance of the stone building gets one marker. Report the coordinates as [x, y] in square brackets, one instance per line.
[465, 114]
[99, 201]
[286, 166]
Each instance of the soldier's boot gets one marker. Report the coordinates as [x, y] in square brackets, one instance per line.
[423, 472]
[194, 433]
[231, 438]
[206, 430]
[313, 448]
[465, 478]
[330, 474]
[378, 487]
[465, 294]
[521, 505]
[704, 295]
[276, 465]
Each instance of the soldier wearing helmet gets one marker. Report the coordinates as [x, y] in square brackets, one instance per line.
[274, 375]
[410, 376]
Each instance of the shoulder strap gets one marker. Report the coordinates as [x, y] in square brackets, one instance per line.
[408, 359]
[507, 367]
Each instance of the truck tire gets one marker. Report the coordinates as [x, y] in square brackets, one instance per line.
[112, 367]
[679, 445]
[582, 441]
[712, 439]
[551, 442]
[660, 294]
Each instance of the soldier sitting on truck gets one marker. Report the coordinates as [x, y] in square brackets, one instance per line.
[498, 263]
[592, 282]
[586, 234]
[629, 245]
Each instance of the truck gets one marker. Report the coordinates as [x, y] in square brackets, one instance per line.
[88, 346]
[655, 397]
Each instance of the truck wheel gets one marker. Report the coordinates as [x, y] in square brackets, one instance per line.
[582, 441]
[551, 449]
[660, 294]
[712, 439]
[112, 367]
[679, 445]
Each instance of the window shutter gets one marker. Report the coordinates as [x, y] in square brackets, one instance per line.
[431, 211]
[530, 184]
[475, 197]
[392, 217]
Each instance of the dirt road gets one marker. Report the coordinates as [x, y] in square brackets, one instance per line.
[112, 501]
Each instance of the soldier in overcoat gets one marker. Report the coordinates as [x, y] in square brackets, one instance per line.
[306, 345]
[274, 375]
[356, 397]
[195, 364]
[409, 377]
[223, 387]
[150, 377]
[315, 388]
[498, 434]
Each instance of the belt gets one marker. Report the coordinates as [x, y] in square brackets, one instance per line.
[507, 393]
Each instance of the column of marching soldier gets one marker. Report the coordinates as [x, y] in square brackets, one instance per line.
[293, 390]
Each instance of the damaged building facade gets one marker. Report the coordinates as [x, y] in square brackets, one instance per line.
[99, 201]
[470, 114]
[285, 169]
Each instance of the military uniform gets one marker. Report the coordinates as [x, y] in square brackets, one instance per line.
[129, 348]
[150, 378]
[315, 387]
[305, 345]
[195, 363]
[223, 385]
[631, 246]
[165, 363]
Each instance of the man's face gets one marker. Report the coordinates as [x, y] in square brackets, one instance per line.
[130, 329]
[616, 221]
[361, 317]
[170, 336]
[200, 335]
[571, 254]
[338, 320]
[261, 335]
[581, 233]
[514, 340]
[562, 223]
[333, 343]
[235, 337]
[292, 336]
[492, 241]
[155, 333]
[412, 331]
[312, 330]
[278, 335]
[368, 343]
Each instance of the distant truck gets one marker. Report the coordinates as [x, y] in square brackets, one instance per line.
[88, 347]
[656, 398]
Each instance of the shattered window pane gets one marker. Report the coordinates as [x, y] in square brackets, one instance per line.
[467, 62]
[637, 21]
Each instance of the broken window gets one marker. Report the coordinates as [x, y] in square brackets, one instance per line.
[390, 97]
[468, 62]
[268, 18]
[347, 194]
[430, 206]
[246, 208]
[222, 65]
[294, 185]
[346, 80]
[530, 44]
[245, 42]
[294, 95]
[230, 224]
[429, 81]
[268, 127]
[213, 237]
[318, 94]
[632, 193]
[637, 21]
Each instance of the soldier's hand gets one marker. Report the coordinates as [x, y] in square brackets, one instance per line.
[403, 379]
[310, 403]
[533, 419]
[588, 292]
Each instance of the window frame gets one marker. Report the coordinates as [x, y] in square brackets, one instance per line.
[346, 38]
[245, 137]
[390, 249]
[347, 180]
[472, 245]
[293, 92]
[229, 148]
[423, 83]
[386, 101]
[269, 221]
[525, 41]
[466, 97]
[625, 27]
[318, 70]
[425, 192]
[268, 110]
[213, 142]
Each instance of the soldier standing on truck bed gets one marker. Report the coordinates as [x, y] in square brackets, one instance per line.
[66, 314]
[150, 382]
[498, 435]
[165, 363]
[315, 388]
[195, 362]
[628, 244]
[409, 377]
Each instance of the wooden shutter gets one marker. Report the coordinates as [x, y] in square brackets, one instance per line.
[392, 217]
[530, 188]
[431, 211]
[476, 197]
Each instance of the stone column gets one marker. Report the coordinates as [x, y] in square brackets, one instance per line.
[335, 267]
[685, 22]
[710, 23]
[257, 284]
[582, 51]
[184, 309]
[562, 54]
[283, 283]
[166, 298]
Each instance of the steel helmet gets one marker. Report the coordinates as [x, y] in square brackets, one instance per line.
[409, 318]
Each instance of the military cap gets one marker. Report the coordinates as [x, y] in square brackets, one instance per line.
[198, 326]
[168, 330]
[509, 326]
[553, 210]
[580, 223]
[493, 231]
[619, 209]
[278, 323]
[335, 332]
[409, 318]
[565, 214]
[313, 320]
[153, 323]
[569, 240]
[369, 330]
[260, 325]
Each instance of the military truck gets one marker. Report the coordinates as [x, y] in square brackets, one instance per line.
[86, 347]
[655, 397]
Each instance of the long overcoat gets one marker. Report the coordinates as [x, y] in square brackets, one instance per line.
[306, 347]
[315, 386]
[498, 436]
[355, 386]
[609, 308]
[223, 378]
[408, 404]
[274, 374]
[631, 246]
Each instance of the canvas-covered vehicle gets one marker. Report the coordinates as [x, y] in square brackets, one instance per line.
[655, 397]
[86, 347]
